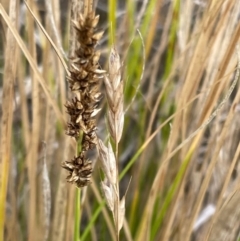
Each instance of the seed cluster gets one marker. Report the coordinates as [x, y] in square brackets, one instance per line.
[82, 109]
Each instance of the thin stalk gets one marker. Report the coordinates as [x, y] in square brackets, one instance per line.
[7, 115]
[112, 5]
[77, 216]
[116, 210]
[172, 38]
[117, 188]
[93, 219]
[77, 202]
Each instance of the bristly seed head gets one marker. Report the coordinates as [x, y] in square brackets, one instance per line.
[82, 109]
[80, 170]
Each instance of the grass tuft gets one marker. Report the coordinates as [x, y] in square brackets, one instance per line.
[169, 120]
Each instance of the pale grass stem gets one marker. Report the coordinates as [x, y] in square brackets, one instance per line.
[46, 195]
[7, 116]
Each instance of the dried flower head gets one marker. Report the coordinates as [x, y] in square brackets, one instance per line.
[80, 170]
[82, 109]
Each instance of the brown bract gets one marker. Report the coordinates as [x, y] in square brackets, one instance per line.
[80, 170]
[82, 109]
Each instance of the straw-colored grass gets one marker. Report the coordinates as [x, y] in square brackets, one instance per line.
[179, 147]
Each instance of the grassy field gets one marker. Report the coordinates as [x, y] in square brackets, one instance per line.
[178, 158]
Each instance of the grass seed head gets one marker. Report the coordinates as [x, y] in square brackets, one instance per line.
[84, 80]
[108, 161]
[108, 193]
[114, 89]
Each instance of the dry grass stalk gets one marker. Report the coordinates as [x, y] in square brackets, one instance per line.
[46, 195]
[228, 210]
[110, 186]
[227, 226]
[33, 64]
[32, 158]
[60, 205]
[7, 116]
[198, 80]
[84, 84]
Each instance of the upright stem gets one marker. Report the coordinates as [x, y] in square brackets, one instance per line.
[77, 216]
[76, 7]
[7, 114]
[112, 5]
[117, 187]
[78, 199]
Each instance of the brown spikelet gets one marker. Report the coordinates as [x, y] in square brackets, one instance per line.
[80, 170]
[84, 84]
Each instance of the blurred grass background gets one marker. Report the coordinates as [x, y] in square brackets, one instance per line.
[178, 70]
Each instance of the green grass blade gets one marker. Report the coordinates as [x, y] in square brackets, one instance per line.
[77, 216]
[170, 194]
[92, 221]
[172, 37]
[134, 58]
[112, 6]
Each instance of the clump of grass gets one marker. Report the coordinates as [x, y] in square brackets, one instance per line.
[180, 148]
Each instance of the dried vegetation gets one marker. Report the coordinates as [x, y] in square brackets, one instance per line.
[178, 141]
